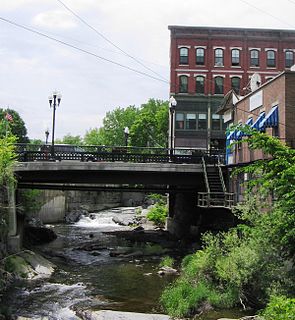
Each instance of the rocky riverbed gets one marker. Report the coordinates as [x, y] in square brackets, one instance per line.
[102, 270]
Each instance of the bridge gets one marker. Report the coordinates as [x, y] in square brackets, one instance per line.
[183, 173]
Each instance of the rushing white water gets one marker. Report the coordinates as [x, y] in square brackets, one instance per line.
[104, 219]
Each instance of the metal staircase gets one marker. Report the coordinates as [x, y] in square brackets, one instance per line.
[216, 195]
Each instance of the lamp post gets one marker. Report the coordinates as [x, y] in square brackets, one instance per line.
[46, 136]
[172, 106]
[54, 101]
[126, 133]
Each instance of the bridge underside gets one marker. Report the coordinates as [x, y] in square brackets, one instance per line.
[102, 176]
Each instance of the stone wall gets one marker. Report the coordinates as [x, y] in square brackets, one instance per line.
[92, 201]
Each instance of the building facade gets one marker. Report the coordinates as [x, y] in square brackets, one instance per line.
[206, 63]
[270, 109]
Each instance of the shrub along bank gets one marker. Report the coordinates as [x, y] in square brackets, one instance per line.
[253, 262]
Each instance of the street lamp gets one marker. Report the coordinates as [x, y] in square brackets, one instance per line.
[54, 101]
[126, 133]
[46, 136]
[172, 106]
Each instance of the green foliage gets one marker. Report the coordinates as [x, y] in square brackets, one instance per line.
[7, 159]
[69, 139]
[114, 124]
[157, 198]
[148, 126]
[94, 137]
[16, 127]
[254, 260]
[158, 214]
[30, 200]
[279, 308]
[167, 262]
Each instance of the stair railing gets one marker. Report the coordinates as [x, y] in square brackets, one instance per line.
[221, 178]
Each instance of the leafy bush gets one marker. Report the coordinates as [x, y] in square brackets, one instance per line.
[158, 214]
[255, 260]
[280, 308]
[157, 198]
[167, 262]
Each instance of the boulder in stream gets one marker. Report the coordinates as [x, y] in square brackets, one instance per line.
[28, 265]
[119, 315]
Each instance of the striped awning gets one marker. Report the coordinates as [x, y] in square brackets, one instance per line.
[240, 133]
[256, 124]
[271, 120]
[231, 135]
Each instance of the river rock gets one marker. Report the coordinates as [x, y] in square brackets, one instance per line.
[75, 215]
[126, 220]
[29, 265]
[38, 235]
[167, 270]
[118, 315]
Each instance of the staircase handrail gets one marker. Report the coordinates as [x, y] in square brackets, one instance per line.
[221, 178]
[205, 174]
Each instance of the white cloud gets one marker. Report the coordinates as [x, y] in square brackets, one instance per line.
[55, 19]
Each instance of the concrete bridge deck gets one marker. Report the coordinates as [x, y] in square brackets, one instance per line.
[67, 173]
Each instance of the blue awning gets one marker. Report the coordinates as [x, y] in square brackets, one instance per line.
[271, 120]
[256, 124]
[249, 122]
[231, 135]
[241, 134]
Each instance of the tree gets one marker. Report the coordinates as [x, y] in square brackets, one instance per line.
[94, 137]
[114, 124]
[16, 125]
[150, 128]
[255, 260]
[69, 139]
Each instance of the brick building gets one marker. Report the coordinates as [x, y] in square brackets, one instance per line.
[270, 109]
[207, 62]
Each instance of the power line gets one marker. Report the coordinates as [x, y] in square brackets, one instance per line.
[269, 14]
[108, 40]
[80, 49]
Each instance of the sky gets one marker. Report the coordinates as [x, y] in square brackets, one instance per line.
[128, 34]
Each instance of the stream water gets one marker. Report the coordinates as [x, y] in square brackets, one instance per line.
[92, 279]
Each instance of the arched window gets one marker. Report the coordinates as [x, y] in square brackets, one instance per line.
[218, 57]
[235, 84]
[271, 58]
[289, 58]
[235, 57]
[183, 84]
[200, 81]
[218, 85]
[200, 56]
[183, 55]
[254, 58]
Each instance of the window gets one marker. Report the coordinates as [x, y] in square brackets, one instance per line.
[271, 58]
[200, 56]
[200, 80]
[191, 121]
[235, 57]
[235, 84]
[216, 122]
[254, 58]
[218, 84]
[289, 58]
[202, 121]
[183, 55]
[218, 57]
[179, 121]
[183, 84]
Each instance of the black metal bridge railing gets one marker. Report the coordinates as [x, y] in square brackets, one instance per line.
[32, 152]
